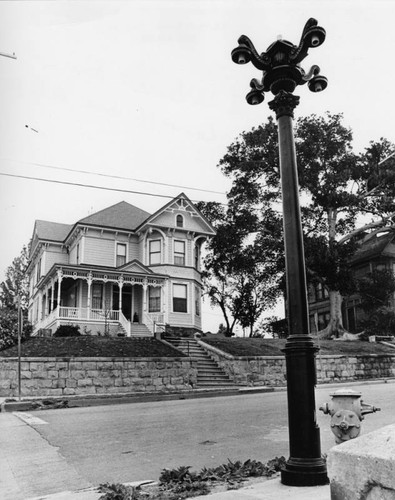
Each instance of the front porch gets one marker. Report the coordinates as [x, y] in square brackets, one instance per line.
[101, 303]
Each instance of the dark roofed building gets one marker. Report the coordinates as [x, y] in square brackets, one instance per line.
[377, 252]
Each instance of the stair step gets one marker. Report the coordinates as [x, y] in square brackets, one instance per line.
[209, 373]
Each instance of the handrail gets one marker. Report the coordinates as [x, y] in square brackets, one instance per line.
[125, 323]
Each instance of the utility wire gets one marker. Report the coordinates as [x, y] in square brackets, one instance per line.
[92, 186]
[111, 176]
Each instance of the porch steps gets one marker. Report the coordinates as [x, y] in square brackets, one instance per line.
[209, 373]
[140, 330]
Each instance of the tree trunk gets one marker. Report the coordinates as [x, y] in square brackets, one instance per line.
[335, 326]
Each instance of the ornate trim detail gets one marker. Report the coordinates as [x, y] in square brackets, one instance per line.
[284, 104]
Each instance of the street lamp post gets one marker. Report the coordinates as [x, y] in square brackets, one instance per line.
[281, 75]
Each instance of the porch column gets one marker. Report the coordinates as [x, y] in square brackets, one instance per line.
[164, 308]
[145, 288]
[89, 280]
[120, 286]
[52, 295]
[169, 298]
[60, 278]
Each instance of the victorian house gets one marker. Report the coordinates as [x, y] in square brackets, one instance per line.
[375, 253]
[120, 271]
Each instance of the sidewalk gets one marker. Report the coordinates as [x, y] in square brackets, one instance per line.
[271, 489]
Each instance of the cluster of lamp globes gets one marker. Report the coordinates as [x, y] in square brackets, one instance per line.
[280, 64]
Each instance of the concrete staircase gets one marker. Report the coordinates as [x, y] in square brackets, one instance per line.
[140, 330]
[210, 375]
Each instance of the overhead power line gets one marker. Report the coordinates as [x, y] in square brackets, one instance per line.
[54, 167]
[92, 186]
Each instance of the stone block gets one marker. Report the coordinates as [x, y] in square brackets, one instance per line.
[70, 382]
[75, 365]
[77, 374]
[68, 391]
[26, 374]
[364, 467]
[84, 382]
[52, 374]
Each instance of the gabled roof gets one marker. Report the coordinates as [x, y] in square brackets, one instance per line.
[374, 247]
[120, 216]
[181, 196]
[135, 266]
[51, 231]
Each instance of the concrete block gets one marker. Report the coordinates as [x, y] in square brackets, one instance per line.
[364, 467]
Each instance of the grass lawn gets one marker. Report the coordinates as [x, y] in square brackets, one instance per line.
[237, 346]
[90, 346]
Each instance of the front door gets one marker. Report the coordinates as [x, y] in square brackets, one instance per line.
[126, 302]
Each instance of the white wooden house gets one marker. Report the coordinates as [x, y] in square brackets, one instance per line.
[119, 271]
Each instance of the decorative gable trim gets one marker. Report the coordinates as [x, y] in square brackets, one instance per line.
[180, 204]
[135, 266]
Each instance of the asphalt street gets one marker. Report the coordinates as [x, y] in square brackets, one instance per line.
[136, 441]
[130, 442]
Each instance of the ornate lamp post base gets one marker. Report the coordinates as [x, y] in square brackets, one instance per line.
[305, 467]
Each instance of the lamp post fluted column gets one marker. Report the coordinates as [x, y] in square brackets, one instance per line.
[282, 73]
[305, 466]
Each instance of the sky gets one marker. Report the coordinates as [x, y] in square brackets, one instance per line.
[146, 92]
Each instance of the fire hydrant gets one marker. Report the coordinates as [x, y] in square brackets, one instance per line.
[347, 410]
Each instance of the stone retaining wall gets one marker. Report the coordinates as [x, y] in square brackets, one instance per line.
[54, 377]
[270, 370]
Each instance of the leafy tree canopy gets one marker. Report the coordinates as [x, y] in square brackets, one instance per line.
[345, 197]
[16, 282]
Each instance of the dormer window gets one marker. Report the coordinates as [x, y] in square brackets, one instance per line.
[179, 221]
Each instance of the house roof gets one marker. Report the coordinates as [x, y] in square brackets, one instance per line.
[374, 247]
[119, 216]
[52, 231]
[181, 196]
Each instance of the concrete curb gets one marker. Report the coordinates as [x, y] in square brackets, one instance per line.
[99, 400]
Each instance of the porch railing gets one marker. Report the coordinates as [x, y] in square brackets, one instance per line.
[154, 321]
[124, 323]
[76, 313]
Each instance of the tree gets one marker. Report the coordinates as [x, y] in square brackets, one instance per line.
[16, 283]
[339, 190]
[239, 278]
[14, 290]
[9, 328]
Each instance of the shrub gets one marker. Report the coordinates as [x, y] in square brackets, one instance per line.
[67, 331]
[118, 492]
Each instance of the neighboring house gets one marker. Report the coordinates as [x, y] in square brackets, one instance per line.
[119, 271]
[377, 252]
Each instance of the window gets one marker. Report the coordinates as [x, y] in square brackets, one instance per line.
[180, 298]
[154, 252]
[38, 271]
[197, 257]
[197, 301]
[179, 221]
[153, 299]
[97, 296]
[121, 254]
[321, 292]
[179, 253]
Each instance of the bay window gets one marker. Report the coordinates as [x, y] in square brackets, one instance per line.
[179, 253]
[180, 298]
